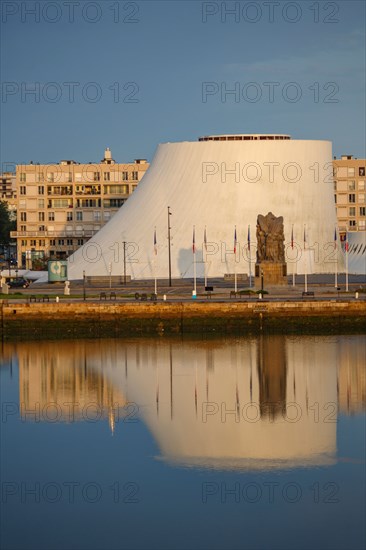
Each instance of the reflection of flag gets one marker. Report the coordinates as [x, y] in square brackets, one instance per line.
[155, 243]
[292, 237]
[335, 238]
[235, 241]
[304, 237]
[205, 239]
[346, 247]
[248, 237]
[194, 241]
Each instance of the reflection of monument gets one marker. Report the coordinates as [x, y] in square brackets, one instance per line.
[271, 361]
[352, 376]
[249, 403]
[271, 265]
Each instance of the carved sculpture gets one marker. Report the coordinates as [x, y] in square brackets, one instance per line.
[270, 239]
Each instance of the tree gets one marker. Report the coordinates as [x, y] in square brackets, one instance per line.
[6, 224]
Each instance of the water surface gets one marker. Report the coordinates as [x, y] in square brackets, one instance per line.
[190, 444]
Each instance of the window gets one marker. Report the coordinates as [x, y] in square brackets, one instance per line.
[361, 198]
[41, 228]
[69, 216]
[69, 242]
[362, 225]
[80, 242]
[23, 177]
[352, 197]
[40, 189]
[61, 242]
[335, 199]
[40, 203]
[96, 215]
[23, 216]
[362, 211]
[351, 185]
[52, 242]
[24, 243]
[23, 190]
[352, 223]
[361, 185]
[352, 211]
[135, 176]
[351, 171]
[361, 171]
[107, 216]
[50, 177]
[51, 216]
[23, 228]
[96, 176]
[69, 177]
[39, 178]
[41, 216]
[33, 242]
[124, 176]
[107, 176]
[42, 242]
[79, 216]
[134, 187]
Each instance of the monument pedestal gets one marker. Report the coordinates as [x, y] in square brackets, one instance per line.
[274, 274]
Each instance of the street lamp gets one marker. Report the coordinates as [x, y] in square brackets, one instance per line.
[169, 250]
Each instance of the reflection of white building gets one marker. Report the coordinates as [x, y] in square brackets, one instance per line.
[217, 183]
[259, 403]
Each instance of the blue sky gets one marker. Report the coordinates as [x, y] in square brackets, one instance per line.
[138, 75]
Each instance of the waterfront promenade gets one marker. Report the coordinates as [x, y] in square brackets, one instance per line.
[42, 311]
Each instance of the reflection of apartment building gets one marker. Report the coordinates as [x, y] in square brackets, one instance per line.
[350, 193]
[60, 206]
[62, 385]
[8, 191]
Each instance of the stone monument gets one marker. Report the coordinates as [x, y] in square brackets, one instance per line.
[270, 267]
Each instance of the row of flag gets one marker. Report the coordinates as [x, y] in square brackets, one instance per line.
[248, 240]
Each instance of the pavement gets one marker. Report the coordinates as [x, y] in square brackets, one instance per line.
[323, 287]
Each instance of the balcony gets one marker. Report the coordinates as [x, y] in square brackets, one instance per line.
[53, 234]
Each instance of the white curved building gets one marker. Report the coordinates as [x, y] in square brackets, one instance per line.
[217, 183]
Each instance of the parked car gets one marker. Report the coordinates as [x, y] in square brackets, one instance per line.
[20, 282]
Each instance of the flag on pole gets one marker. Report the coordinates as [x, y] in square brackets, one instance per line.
[335, 238]
[346, 246]
[205, 239]
[155, 243]
[194, 241]
[235, 241]
[292, 237]
[248, 237]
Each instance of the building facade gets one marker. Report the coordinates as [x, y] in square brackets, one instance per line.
[8, 192]
[350, 193]
[61, 206]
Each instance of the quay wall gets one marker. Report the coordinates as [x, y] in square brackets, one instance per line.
[95, 319]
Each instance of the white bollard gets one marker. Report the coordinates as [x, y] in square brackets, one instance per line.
[260, 296]
[57, 299]
[356, 295]
[164, 297]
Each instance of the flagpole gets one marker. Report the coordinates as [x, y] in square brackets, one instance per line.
[346, 262]
[204, 263]
[293, 265]
[250, 259]
[235, 278]
[194, 261]
[336, 263]
[306, 261]
[155, 263]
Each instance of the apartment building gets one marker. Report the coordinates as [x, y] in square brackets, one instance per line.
[61, 206]
[350, 193]
[8, 192]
